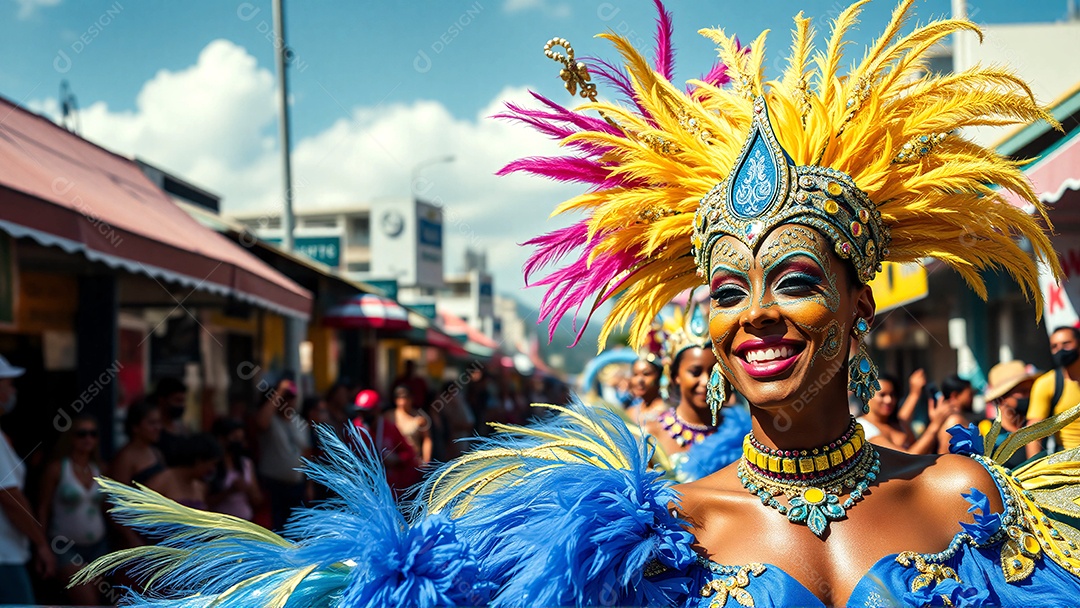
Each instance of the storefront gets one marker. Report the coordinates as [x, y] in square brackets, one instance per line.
[107, 284]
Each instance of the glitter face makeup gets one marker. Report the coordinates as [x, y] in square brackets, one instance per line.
[777, 318]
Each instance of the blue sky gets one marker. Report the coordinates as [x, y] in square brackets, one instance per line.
[377, 86]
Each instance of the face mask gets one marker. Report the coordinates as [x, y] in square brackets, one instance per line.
[1066, 357]
[1022, 406]
[7, 406]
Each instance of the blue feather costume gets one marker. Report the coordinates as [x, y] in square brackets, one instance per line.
[565, 512]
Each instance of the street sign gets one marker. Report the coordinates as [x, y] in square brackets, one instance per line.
[899, 284]
[388, 287]
[325, 249]
[428, 310]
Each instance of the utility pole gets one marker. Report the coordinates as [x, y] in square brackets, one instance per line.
[295, 329]
[282, 55]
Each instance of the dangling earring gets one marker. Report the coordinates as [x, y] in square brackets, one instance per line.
[716, 393]
[863, 372]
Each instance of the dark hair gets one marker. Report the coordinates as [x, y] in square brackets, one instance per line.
[309, 405]
[953, 385]
[887, 377]
[678, 358]
[199, 447]
[335, 387]
[891, 379]
[224, 426]
[1075, 331]
[136, 414]
[653, 361]
[169, 386]
[63, 447]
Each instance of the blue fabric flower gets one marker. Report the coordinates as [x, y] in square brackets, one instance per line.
[949, 593]
[965, 440]
[986, 523]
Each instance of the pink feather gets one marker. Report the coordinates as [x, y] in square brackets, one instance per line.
[665, 53]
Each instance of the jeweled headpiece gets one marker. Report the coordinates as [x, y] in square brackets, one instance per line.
[873, 159]
[766, 189]
[685, 328]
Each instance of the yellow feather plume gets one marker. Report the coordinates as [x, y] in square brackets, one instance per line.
[890, 125]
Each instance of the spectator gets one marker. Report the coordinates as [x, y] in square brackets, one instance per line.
[138, 462]
[477, 396]
[959, 397]
[170, 396]
[197, 457]
[645, 377]
[413, 424]
[283, 442]
[1009, 389]
[1058, 390]
[315, 412]
[889, 426]
[460, 423]
[20, 532]
[234, 490]
[399, 457]
[70, 506]
[416, 385]
[339, 400]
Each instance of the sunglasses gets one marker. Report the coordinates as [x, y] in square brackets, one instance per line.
[86, 433]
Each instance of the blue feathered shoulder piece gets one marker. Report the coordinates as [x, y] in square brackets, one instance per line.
[353, 550]
[565, 512]
[718, 450]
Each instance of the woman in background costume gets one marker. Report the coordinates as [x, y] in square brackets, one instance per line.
[783, 197]
[692, 442]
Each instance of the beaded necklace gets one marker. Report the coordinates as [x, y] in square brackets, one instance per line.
[684, 433]
[811, 480]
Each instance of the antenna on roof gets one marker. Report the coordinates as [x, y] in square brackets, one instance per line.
[69, 108]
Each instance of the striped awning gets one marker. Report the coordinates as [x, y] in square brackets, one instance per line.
[367, 311]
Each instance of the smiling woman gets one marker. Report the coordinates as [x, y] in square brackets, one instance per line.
[785, 197]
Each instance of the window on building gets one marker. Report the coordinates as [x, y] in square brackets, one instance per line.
[359, 267]
[360, 231]
[320, 222]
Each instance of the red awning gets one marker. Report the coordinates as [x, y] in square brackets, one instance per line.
[455, 325]
[1054, 174]
[442, 341]
[367, 311]
[63, 191]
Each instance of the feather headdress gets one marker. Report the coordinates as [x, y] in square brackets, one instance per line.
[888, 128]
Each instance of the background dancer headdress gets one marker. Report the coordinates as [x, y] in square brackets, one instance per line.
[873, 159]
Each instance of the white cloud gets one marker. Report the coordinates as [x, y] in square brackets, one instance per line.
[27, 8]
[214, 123]
[552, 9]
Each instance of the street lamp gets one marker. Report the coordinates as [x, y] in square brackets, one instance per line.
[415, 176]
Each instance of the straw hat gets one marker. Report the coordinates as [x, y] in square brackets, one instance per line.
[1004, 377]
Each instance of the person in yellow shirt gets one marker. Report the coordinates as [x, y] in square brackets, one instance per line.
[1059, 389]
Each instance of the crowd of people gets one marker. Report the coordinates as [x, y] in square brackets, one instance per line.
[246, 464]
[1016, 394]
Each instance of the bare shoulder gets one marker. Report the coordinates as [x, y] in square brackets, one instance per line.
[938, 483]
[956, 474]
[709, 503]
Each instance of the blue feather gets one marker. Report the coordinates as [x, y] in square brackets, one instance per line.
[719, 449]
[354, 550]
[560, 530]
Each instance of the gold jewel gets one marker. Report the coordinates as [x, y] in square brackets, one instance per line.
[818, 463]
[929, 574]
[814, 497]
[733, 585]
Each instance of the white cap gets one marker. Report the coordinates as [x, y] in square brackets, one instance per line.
[8, 370]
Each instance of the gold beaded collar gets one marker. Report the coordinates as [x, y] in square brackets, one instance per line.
[806, 462]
